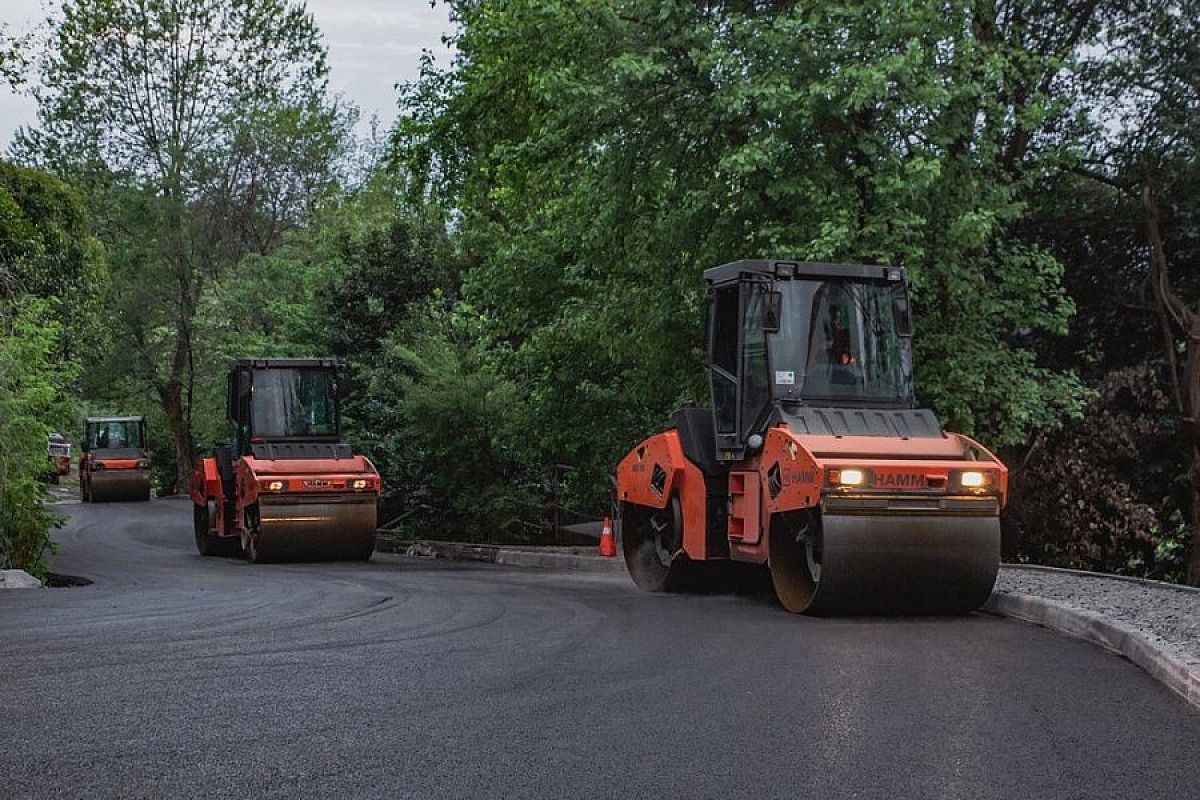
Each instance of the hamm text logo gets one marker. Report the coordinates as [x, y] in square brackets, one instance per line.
[908, 480]
[317, 484]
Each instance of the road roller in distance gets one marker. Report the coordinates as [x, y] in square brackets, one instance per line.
[115, 462]
[814, 459]
[285, 487]
[58, 457]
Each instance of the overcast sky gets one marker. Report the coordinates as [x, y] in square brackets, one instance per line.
[373, 44]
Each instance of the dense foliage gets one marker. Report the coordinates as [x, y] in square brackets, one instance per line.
[200, 131]
[52, 277]
[515, 282]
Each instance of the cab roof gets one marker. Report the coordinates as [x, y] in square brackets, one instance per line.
[90, 420]
[284, 363]
[779, 268]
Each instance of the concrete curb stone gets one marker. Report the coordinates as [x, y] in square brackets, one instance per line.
[18, 579]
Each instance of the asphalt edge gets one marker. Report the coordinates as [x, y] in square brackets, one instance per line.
[1161, 663]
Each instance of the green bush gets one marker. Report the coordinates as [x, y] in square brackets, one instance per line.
[1109, 491]
[448, 414]
[31, 405]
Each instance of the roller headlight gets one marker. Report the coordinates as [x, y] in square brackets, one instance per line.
[274, 486]
[360, 483]
[849, 477]
[973, 480]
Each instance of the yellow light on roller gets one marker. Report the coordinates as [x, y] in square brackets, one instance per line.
[851, 477]
[972, 480]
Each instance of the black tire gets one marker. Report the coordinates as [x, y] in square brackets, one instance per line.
[652, 542]
[208, 544]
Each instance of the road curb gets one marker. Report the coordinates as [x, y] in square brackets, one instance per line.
[1172, 669]
[18, 579]
[496, 554]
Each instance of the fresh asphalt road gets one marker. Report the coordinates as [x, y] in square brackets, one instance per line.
[179, 676]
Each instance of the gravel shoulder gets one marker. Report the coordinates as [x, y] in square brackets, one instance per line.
[1168, 616]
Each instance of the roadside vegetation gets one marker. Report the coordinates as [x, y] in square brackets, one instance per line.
[513, 271]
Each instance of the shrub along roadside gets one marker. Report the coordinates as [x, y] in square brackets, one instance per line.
[31, 401]
[52, 279]
[1107, 492]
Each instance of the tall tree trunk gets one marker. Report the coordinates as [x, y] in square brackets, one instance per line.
[1187, 321]
[176, 394]
[1191, 383]
[171, 396]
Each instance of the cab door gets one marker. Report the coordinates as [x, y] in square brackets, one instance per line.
[740, 315]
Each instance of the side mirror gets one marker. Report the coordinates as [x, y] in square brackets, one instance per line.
[773, 312]
[903, 316]
[341, 383]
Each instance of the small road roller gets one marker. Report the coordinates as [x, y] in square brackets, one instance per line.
[115, 463]
[813, 459]
[285, 487]
[58, 457]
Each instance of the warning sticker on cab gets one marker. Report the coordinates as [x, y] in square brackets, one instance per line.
[785, 378]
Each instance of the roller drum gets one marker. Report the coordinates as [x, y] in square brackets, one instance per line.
[337, 530]
[120, 484]
[900, 564]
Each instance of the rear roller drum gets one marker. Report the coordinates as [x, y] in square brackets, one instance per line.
[208, 543]
[652, 541]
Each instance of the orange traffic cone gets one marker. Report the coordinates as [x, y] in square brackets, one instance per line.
[608, 546]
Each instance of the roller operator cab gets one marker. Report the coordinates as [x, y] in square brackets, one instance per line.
[813, 458]
[115, 463]
[285, 487]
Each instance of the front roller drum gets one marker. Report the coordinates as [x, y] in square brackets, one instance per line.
[326, 531]
[874, 564]
[117, 485]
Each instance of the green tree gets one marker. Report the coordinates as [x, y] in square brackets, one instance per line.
[603, 153]
[201, 130]
[12, 58]
[1142, 98]
[51, 278]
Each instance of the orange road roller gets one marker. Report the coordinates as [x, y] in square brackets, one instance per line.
[115, 464]
[285, 487]
[813, 458]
